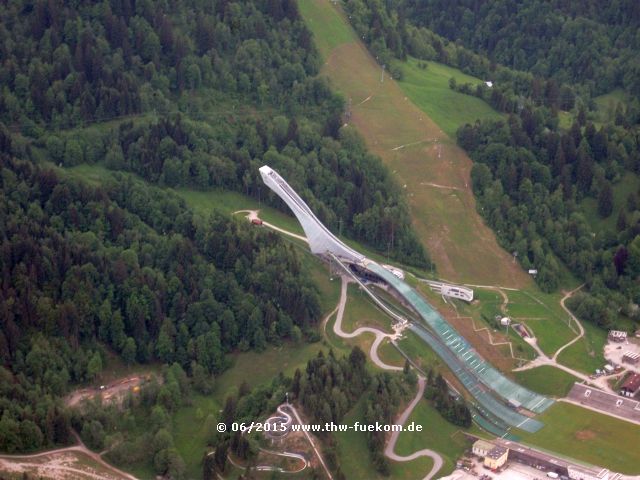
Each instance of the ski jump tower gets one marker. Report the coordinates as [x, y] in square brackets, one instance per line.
[495, 393]
[321, 240]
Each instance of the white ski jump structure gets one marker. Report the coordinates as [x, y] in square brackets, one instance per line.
[321, 240]
[495, 394]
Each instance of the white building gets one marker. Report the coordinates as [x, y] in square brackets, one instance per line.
[617, 336]
[321, 240]
[453, 291]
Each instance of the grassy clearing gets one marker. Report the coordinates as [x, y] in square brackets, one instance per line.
[543, 314]
[360, 311]
[607, 104]
[588, 436]
[259, 368]
[204, 202]
[327, 24]
[390, 354]
[437, 434]
[354, 455]
[428, 88]
[418, 351]
[546, 380]
[444, 218]
[587, 353]
[630, 183]
[191, 432]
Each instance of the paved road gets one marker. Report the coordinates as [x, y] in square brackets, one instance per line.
[425, 452]
[380, 335]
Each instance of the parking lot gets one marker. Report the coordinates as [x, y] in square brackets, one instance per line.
[613, 352]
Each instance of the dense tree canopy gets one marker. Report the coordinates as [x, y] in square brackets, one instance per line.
[127, 266]
[587, 42]
[69, 65]
[532, 177]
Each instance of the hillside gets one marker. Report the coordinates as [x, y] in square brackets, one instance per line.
[433, 171]
[101, 266]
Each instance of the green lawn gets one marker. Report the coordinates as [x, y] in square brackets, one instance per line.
[353, 452]
[588, 436]
[587, 353]
[360, 311]
[437, 434]
[203, 202]
[390, 354]
[543, 314]
[429, 90]
[191, 432]
[330, 30]
[546, 380]
[419, 352]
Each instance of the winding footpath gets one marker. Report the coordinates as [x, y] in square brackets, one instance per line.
[389, 449]
[380, 336]
[543, 359]
[573, 317]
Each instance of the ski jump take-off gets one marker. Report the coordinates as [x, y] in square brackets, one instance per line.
[498, 399]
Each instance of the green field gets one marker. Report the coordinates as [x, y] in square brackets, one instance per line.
[419, 352]
[588, 436]
[546, 380]
[354, 455]
[191, 432]
[543, 314]
[437, 434]
[586, 355]
[360, 311]
[328, 26]
[428, 88]
[203, 202]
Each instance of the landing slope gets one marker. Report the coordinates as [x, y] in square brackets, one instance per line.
[435, 171]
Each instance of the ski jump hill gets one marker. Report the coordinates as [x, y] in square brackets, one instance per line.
[499, 400]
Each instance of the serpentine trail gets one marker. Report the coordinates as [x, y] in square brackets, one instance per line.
[380, 336]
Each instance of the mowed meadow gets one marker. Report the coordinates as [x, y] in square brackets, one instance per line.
[432, 170]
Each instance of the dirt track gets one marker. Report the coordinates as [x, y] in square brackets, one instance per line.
[64, 463]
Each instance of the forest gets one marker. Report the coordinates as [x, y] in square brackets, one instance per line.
[182, 94]
[531, 175]
[243, 75]
[126, 267]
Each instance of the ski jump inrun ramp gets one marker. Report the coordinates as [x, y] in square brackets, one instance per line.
[499, 395]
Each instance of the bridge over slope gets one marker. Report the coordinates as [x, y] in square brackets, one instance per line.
[490, 388]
